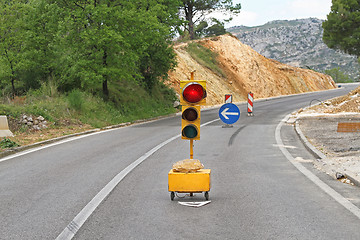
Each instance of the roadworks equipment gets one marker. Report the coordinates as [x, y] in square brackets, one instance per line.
[195, 182]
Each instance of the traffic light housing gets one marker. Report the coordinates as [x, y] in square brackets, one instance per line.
[192, 96]
[190, 122]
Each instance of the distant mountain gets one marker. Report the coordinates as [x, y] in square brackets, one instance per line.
[297, 43]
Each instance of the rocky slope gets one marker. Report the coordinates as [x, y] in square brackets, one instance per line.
[298, 43]
[245, 70]
[347, 104]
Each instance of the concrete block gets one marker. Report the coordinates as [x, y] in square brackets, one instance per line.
[4, 128]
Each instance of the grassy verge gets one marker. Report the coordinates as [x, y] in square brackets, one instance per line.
[79, 111]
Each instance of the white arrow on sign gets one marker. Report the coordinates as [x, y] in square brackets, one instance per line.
[225, 113]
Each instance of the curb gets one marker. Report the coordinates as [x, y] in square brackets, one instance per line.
[316, 153]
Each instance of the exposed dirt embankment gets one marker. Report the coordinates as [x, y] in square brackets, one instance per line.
[246, 71]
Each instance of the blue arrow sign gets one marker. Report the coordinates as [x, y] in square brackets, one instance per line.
[229, 113]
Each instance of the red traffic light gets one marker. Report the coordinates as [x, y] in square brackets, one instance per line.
[193, 92]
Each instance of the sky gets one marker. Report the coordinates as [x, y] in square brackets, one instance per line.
[259, 12]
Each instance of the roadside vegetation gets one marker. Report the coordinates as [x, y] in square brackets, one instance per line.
[7, 143]
[83, 65]
[341, 31]
[90, 109]
[75, 111]
[205, 57]
[339, 76]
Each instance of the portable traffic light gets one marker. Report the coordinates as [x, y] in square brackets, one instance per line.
[190, 122]
[192, 96]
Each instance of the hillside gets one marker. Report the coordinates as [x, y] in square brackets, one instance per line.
[298, 43]
[245, 70]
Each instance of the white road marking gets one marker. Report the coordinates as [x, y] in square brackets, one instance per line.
[326, 188]
[70, 231]
[51, 145]
[301, 160]
[194, 204]
[277, 145]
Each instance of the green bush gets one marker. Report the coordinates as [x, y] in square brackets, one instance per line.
[128, 101]
[8, 143]
[76, 100]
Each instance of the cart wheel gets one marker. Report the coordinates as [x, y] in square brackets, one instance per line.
[172, 196]
[206, 195]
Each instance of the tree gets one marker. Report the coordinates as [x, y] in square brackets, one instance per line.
[338, 76]
[86, 44]
[94, 49]
[342, 27]
[201, 28]
[216, 29]
[40, 42]
[11, 45]
[154, 39]
[27, 36]
[195, 11]
[116, 41]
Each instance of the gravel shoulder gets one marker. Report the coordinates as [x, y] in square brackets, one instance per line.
[339, 151]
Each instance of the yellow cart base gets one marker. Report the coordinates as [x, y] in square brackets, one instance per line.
[189, 182]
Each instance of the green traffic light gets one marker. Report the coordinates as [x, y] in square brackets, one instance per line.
[190, 131]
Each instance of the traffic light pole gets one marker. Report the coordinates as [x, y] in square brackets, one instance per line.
[191, 148]
[191, 140]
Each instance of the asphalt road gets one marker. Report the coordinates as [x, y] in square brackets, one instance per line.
[256, 192]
